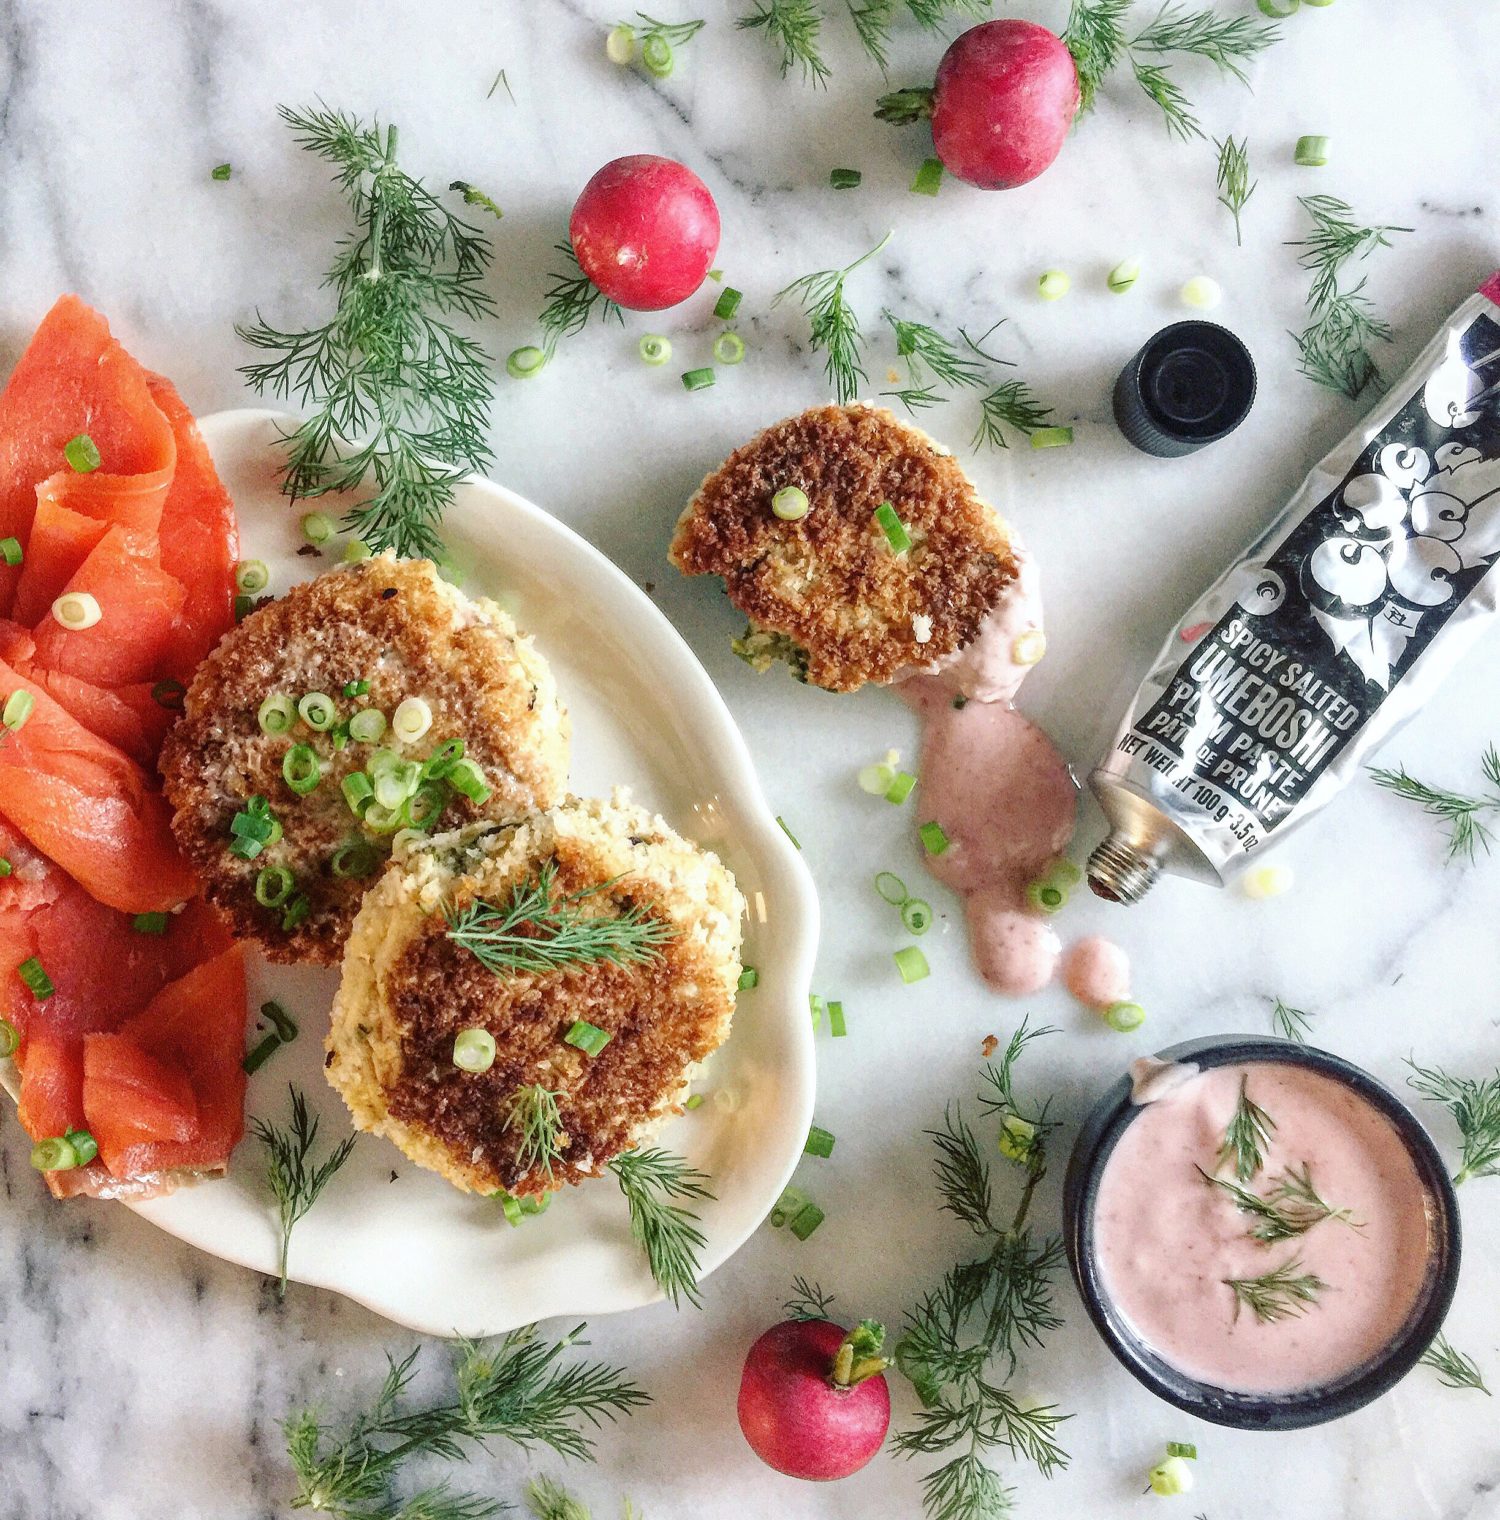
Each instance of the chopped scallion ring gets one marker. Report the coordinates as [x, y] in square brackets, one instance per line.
[694, 1102]
[891, 888]
[353, 689]
[698, 379]
[296, 911]
[791, 1203]
[34, 975]
[1202, 293]
[11, 551]
[18, 708]
[1046, 896]
[442, 760]
[790, 504]
[243, 606]
[806, 1221]
[836, 1025]
[151, 923]
[245, 848]
[256, 1058]
[893, 528]
[10, 1039]
[815, 1007]
[411, 720]
[1173, 1476]
[276, 714]
[1311, 152]
[355, 551]
[916, 914]
[1017, 1138]
[934, 840]
[356, 860]
[467, 779]
[1124, 275]
[301, 769]
[316, 709]
[729, 348]
[656, 55]
[367, 725]
[728, 303]
[423, 808]
[76, 610]
[524, 362]
[1278, 11]
[1027, 648]
[588, 1038]
[317, 528]
[1182, 1449]
[1051, 437]
[395, 783]
[928, 180]
[474, 1050]
[221, 172]
[845, 179]
[1124, 1016]
[252, 576]
[380, 819]
[511, 1207]
[876, 779]
[55, 1154]
[619, 45]
[82, 454]
[654, 349]
[273, 885]
[912, 964]
[900, 789]
[749, 977]
[1054, 285]
[820, 1142]
[169, 694]
[5, 867]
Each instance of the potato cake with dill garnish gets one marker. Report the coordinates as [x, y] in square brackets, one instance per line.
[855, 545]
[372, 699]
[521, 1004]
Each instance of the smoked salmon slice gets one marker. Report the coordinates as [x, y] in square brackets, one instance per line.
[73, 378]
[51, 1086]
[88, 807]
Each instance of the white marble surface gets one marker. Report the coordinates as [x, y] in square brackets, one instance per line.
[138, 1378]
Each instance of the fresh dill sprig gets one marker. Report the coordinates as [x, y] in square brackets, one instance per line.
[1235, 185]
[665, 1231]
[1014, 404]
[673, 32]
[398, 395]
[1461, 813]
[834, 326]
[808, 1301]
[1095, 36]
[295, 1182]
[571, 300]
[537, 931]
[984, 1312]
[551, 1501]
[1247, 1136]
[917, 398]
[793, 27]
[1453, 1367]
[874, 19]
[517, 1389]
[534, 1114]
[1291, 1208]
[1290, 1023]
[1281, 1293]
[1475, 1107]
[500, 79]
[473, 196]
[924, 347]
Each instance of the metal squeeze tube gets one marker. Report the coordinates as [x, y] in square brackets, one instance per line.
[1331, 630]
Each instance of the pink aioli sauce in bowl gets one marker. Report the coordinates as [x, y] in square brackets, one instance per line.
[1277, 1282]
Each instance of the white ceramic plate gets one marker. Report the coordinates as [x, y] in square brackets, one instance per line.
[645, 715]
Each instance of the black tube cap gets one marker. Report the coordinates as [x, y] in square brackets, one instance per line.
[1191, 384]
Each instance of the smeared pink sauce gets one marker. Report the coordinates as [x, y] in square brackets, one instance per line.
[1097, 971]
[1164, 1239]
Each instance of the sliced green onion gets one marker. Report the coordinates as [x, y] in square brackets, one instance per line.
[243, 607]
[511, 1206]
[717, 276]
[76, 610]
[467, 779]
[916, 914]
[251, 576]
[245, 848]
[819, 1142]
[728, 303]
[353, 689]
[286, 1028]
[893, 528]
[250, 824]
[442, 760]
[654, 349]
[524, 362]
[82, 454]
[845, 179]
[790, 504]
[891, 888]
[1064, 873]
[656, 55]
[1051, 437]
[619, 45]
[934, 840]
[262, 1052]
[356, 550]
[729, 348]
[1046, 896]
[84, 1144]
[169, 694]
[316, 709]
[395, 783]
[151, 923]
[806, 1221]
[273, 885]
[791, 1203]
[10, 1039]
[815, 1007]
[588, 1038]
[697, 379]
[1279, 11]
[1173, 1476]
[32, 972]
[1124, 1016]
[221, 172]
[474, 1050]
[836, 1025]
[1017, 1138]
[1311, 152]
[411, 719]
[796, 844]
[301, 769]
[912, 964]
[425, 805]
[695, 1101]
[900, 789]
[11, 551]
[317, 528]
[296, 911]
[355, 860]
[1054, 285]
[1202, 293]
[1124, 275]
[367, 725]
[5, 867]
[384, 820]
[56, 1154]
[929, 178]
[749, 977]
[1182, 1449]
[276, 714]
[876, 779]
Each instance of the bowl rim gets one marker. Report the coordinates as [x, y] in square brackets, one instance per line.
[1107, 1120]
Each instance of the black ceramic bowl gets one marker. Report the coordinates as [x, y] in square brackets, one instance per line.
[1285, 1411]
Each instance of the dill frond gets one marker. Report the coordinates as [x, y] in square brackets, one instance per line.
[551, 1501]
[924, 347]
[1475, 1107]
[1291, 1208]
[533, 1112]
[572, 299]
[1453, 1367]
[1247, 1136]
[793, 28]
[1014, 404]
[1281, 1293]
[1235, 185]
[1462, 813]
[665, 1231]
[675, 33]
[1290, 1023]
[834, 327]
[808, 1301]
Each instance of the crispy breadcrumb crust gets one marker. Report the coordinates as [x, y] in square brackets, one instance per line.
[402, 628]
[407, 991]
[829, 584]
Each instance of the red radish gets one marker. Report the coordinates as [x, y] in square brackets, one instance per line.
[1004, 98]
[645, 231]
[813, 1403]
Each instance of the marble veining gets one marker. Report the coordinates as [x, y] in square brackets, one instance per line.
[138, 1378]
